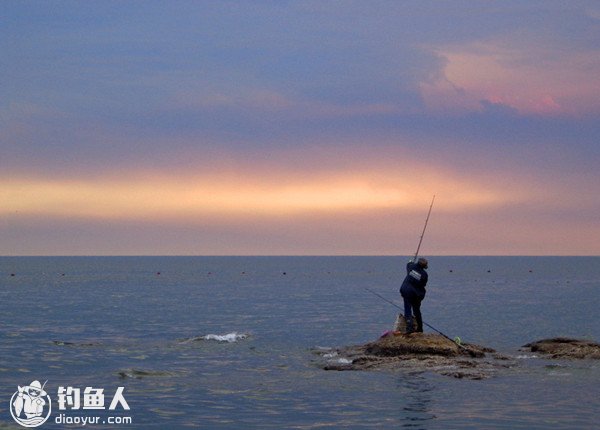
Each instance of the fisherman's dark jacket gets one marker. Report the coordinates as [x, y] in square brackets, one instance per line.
[413, 286]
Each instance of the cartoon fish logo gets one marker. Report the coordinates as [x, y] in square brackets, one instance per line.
[31, 406]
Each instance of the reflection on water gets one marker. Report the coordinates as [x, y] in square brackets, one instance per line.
[417, 409]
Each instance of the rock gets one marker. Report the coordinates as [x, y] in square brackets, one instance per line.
[562, 347]
[421, 352]
[142, 373]
[76, 344]
[414, 344]
[418, 352]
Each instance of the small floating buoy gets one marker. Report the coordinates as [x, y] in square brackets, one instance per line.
[12, 274]
[489, 271]
[450, 270]
[285, 273]
[157, 273]
[62, 274]
[531, 271]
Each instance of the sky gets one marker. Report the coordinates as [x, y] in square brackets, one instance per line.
[299, 127]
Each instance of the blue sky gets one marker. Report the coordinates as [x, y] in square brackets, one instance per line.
[304, 127]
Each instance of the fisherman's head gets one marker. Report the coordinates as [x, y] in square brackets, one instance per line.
[423, 262]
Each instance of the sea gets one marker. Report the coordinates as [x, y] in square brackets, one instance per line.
[232, 342]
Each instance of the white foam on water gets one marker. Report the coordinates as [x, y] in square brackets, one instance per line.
[229, 337]
[343, 361]
[330, 354]
[323, 348]
[526, 357]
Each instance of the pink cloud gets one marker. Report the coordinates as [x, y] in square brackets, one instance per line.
[518, 73]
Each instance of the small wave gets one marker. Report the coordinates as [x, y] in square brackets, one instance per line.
[555, 366]
[229, 337]
[330, 357]
[526, 357]
[322, 350]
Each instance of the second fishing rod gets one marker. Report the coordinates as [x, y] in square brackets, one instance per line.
[428, 325]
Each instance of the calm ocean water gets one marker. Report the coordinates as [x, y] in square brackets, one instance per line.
[107, 322]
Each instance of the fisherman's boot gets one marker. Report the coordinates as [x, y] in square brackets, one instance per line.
[409, 324]
[419, 325]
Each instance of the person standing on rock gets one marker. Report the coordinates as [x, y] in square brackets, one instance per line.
[413, 293]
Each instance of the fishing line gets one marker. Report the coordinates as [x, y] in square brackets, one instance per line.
[428, 325]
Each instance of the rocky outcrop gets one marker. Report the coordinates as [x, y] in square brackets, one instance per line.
[419, 344]
[565, 348]
[419, 352]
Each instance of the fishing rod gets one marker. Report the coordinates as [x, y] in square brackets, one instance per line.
[424, 227]
[431, 327]
[415, 258]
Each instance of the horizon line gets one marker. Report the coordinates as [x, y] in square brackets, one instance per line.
[288, 255]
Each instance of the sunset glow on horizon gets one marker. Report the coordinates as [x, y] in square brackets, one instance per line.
[168, 198]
